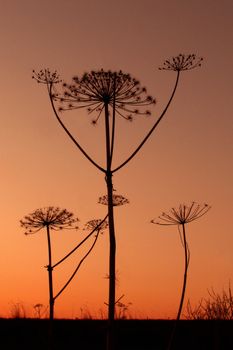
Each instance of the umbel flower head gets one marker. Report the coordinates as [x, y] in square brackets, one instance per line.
[98, 89]
[52, 217]
[96, 224]
[118, 200]
[45, 76]
[182, 215]
[182, 62]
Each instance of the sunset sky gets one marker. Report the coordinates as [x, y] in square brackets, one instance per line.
[189, 157]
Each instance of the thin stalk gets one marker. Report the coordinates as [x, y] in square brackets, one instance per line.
[112, 265]
[152, 129]
[69, 134]
[107, 138]
[112, 240]
[113, 120]
[51, 299]
[186, 263]
[77, 268]
[77, 246]
[50, 274]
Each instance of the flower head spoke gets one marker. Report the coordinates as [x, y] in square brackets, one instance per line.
[200, 212]
[190, 211]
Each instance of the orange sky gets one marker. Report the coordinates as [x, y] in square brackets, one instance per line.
[188, 158]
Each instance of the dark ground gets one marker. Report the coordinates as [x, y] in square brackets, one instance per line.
[130, 334]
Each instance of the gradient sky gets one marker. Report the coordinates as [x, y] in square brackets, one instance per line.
[188, 158]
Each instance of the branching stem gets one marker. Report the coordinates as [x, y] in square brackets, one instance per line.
[79, 265]
[77, 246]
[68, 132]
[152, 129]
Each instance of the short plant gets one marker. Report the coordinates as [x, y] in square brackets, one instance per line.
[217, 306]
[50, 218]
[123, 309]
[18, 310]
[39, 310]
[180, 217]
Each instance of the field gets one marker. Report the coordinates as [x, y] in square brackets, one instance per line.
[130, 334]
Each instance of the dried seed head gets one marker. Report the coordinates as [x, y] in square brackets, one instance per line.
[183, 215]
[45, 76]
[117, 200]
[52, 217]
[98, 89]
[182, 62]
[97, 224]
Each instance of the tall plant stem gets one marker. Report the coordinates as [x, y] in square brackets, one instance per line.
[112, 264]
[51, 299]
[186, 263]
[112, 240]
[50, 274]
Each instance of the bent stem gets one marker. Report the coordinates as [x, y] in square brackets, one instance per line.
[78, 245]
[153, 127]
[68, 133]
[186, 264]
[79, 265]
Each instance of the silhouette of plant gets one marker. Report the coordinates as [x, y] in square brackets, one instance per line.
[95, 225]
[181, 216]
[39, 310]
[117, 200]
[111, 94]
[50, 218]
[182, 62]
[123, 308]
[18, 310]
[85, 313]
[218, 306]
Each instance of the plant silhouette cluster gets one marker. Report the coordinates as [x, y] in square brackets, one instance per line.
[218, 306]
[54, 218]
[111, 94]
